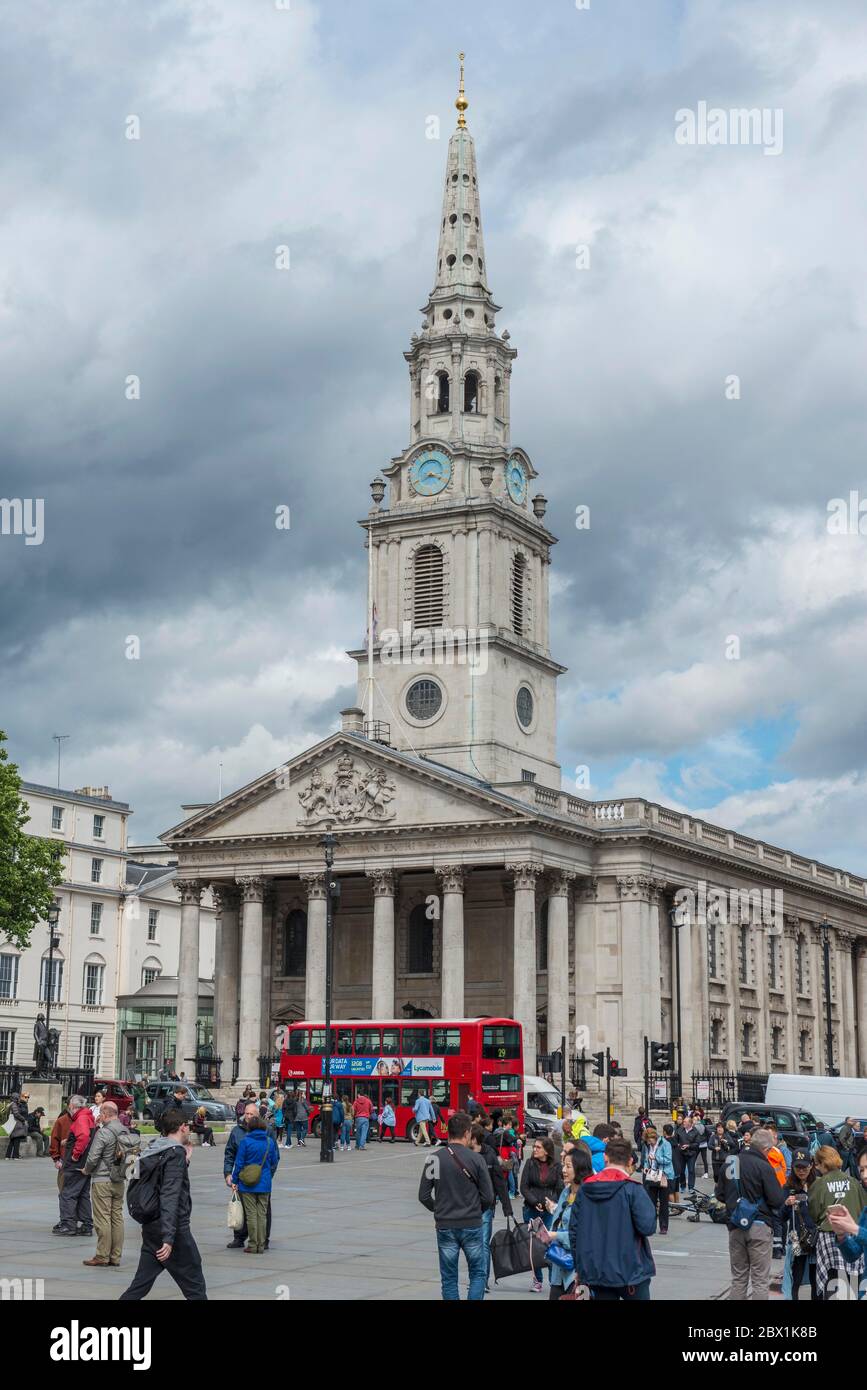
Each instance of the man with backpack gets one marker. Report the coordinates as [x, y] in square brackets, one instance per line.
[106, 1164]
[159, 1200]
[76, 1216]
[752, 1195]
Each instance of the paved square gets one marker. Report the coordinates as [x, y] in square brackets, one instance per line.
[353, 1229]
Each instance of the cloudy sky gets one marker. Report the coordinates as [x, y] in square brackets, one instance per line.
[305, 126]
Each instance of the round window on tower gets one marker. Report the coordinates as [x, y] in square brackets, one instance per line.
[424, 699]
[524, 707]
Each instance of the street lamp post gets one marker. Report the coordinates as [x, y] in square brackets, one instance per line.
[332, 894]
[53, 941]
[829, 1033]
[675, 927]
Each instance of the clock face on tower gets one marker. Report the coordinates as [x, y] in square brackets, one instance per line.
[430, 473]
[516, 481]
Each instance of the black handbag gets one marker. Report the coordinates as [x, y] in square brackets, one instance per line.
[516, 1250]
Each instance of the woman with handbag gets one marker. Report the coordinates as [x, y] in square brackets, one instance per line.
[576, 1166]
[802, 1229]
[541, 1183]
[657, 1168]
[16, 1124]
[255, 1163]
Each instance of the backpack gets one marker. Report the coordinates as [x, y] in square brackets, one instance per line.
[126, 1157]
[143, 1195]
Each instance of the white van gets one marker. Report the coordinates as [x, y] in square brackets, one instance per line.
[541, 1101]
[829, 1098]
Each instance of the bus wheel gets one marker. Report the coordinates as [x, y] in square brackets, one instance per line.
[412, 1132]
[314, 1128]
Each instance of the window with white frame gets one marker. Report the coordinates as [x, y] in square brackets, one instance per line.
[98, 827]
[90, 1048]
[96, 871]
[7, 1046]
[95, 919]
[54, 976]
[8, 977]
[153, 922]
[57, 818]
[149, 973]
[94, 974]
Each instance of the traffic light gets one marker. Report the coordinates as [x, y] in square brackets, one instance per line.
[613, 1067]
[598, 1063]
[660, 1056]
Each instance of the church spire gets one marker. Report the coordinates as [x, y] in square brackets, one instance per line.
[461, 102]
[461, 269]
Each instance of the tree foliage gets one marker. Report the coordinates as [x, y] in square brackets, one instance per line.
[30, 867]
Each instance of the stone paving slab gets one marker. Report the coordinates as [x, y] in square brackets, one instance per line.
[348, 1231]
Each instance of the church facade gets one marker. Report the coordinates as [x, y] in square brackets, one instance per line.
[471, 883]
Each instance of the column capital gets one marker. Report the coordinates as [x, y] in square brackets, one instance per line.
[845, 940]
[252, 888]
[635, 886]
[451, 878]
[525, 874]
[560, 882]
[587, 889]
[383, 882]
[190, 891]
[792, 928]
[225, 896]
[315, 885]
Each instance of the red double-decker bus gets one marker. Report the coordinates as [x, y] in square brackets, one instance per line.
[398, 1060]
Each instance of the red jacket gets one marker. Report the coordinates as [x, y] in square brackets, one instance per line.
[81, 1127]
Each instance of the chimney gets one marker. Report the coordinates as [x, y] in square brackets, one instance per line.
[352, 720]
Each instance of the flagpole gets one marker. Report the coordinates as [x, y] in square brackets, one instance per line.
[370, 624]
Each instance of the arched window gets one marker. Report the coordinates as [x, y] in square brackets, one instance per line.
[420, 942]
[518, 594]
[471, 393]
[442, 393]
[542, 938]
[428, 587]
[93, 984]
[295, 943]
[151, 970]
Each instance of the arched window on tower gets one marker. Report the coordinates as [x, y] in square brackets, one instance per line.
[442, 393]
[295, 943]
[419, 956]
[518, 595]
[428, 587]
[471, 393]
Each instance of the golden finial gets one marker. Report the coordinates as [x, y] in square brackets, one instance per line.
[461, 102]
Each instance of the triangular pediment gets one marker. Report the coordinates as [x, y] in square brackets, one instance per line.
[348, 783]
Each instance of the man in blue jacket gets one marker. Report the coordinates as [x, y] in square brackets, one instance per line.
[611, 1220]
[233, 1143]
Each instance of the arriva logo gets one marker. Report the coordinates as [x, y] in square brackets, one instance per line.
[76, 1343]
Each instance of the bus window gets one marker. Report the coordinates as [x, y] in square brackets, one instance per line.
[503, 1082]
[317, 1042]
[446, 1042]
[391, 1042]
[343, 1046]
[416, 1042]
[441, 1092]
[368, 1088]
[390, 1091]
[314, 1092]
[367, 1042]
[411, 1090]
[502, 1041]
[298, 1040]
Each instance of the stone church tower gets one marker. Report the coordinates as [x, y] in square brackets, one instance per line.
[461, 668]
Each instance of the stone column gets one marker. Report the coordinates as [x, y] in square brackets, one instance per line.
[817, 994]
[190, 893]
[759, 936]
[847, 1061]
[653, 1015]
[249, 1029]
[317, 910]
[382, 991]
[524, 955]
[266, 1036]
[585, 964]
[634, 968]
[791, 927]
[558, 960]
[226, 976]
[452, 882]
[861, 964]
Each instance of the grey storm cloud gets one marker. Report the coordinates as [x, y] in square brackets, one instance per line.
[259, 387]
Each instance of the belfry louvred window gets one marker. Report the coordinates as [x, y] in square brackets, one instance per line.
[518, 595]
[428, 587]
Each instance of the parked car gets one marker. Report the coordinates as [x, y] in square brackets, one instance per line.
[161, 1096]
[832, 1098]
[797, 1127]
[119, 1092]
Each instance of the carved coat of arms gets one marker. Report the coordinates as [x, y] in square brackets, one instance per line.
[348, 795]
